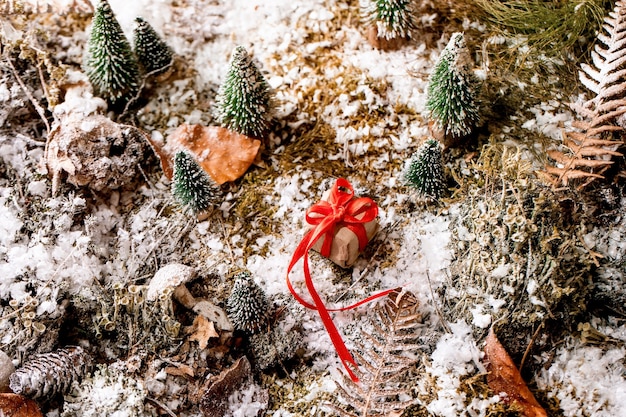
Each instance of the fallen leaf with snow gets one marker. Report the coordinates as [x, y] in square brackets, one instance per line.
[216, 400]
[503, 377]
[223, 154]
[180, 369]
[203, 330]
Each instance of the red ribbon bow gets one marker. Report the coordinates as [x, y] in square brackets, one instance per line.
[326, 217]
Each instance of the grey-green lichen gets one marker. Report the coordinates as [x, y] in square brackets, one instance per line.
[109, 392]
[518, 260]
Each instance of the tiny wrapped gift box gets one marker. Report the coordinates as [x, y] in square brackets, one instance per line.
[344, 249]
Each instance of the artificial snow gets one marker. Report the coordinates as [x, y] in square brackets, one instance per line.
[112, 246]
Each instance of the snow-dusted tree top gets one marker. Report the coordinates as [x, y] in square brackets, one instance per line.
[153, 54]
[192, 187]
[247, 305]
[393, 18]
[424, 172]
[109, 62]
[243, 102]
[451, 95]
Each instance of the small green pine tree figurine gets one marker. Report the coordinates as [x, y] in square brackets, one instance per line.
[192, 187]
[109, 62]
[451, 96]
[424, 172]
[153, 54]
[393, 18]
[247, 306]
[244, 100]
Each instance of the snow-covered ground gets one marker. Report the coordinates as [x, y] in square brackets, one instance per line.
[60, 254]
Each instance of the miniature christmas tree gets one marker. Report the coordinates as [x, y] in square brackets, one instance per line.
[109, 63]
[192, 187]
[393, 18]
[153, 54]
[451, 96]
[247, 306]
[244, 100]
[424, 172]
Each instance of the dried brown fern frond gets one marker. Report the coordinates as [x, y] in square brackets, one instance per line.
[592, 148]
[383, 357]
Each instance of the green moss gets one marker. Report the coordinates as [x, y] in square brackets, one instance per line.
[552, 28]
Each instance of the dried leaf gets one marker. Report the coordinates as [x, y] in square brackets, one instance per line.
[504, 377]
[596, 144]
[203, 330]
[223, 154]
[14, 405]
[180, 370]
[383, 361]
[215, 400]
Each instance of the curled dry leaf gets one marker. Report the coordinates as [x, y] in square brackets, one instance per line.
[223, 154]
[215, 400]
[203, 330]
[504, 377]
[14, 405]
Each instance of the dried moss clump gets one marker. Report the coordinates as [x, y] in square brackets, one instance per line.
[520, 258]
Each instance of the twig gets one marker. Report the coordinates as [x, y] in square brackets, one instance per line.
[161, 406]
[232, 254]
[40, 110]
[530, 345]
[432, 294]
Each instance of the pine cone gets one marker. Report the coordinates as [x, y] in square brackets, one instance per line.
[49, 374]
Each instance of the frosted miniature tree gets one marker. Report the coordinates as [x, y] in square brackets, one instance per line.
[244, 99]
[424, 172]
[192, 187]
[451, 96]
[393, 18]
[109, 62]
[247, 306]
[153, 54]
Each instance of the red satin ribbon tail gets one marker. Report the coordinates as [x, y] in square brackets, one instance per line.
[365, 301]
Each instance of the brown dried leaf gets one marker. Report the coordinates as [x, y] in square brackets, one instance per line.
[504, 377]
[223, 154]
[180, 370]
[561, 158]
[203, 330]
[14, 405]
[215, 400]
[384, 358]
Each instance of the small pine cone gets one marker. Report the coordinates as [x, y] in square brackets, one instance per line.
[49, 374]
[247, 306]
